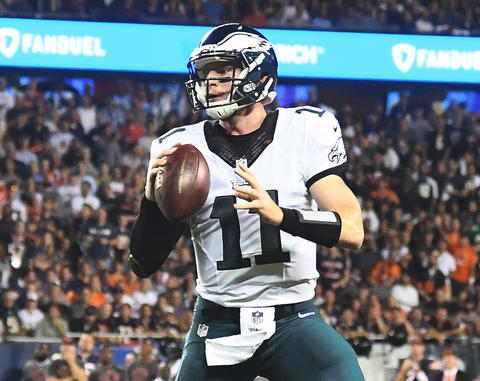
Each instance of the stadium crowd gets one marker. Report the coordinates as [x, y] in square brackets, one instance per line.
[72, 176]
[459, 17]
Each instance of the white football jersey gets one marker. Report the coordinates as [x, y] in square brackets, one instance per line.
[242, 261]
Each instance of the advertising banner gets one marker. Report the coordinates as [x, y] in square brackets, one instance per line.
[301, 54]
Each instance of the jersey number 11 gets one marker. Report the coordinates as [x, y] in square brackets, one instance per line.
[232, 255]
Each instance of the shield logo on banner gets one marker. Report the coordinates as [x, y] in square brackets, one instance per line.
[9, 41]
[403, 56]
[257, 317]
[202, 330]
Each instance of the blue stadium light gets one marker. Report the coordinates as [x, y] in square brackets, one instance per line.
[301, 54]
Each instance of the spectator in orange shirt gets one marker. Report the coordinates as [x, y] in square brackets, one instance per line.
[466, 258]
[385, 193]
[132, 283]
[386, 272]
[97, 297]
[453, 234]
[117, 275]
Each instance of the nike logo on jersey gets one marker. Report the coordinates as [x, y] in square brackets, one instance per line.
[302, 316]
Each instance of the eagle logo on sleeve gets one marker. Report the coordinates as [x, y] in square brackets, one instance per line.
[338, 152]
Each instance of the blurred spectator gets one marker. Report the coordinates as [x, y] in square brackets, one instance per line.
[348, 327]
[52, 325]
[145, 367]
[19, 210]
[30, 316]
[434, 279]
[466, 259]
[450, 370]
[441, 328]
[130, 358]
[399, 328]
[464, 312]
[57, 297]
[406, 294]
[85, 198]
[78, 308]
[383, 193]
[254, 15]
[7, 102]
[445, 260]
[214, 10]
[145, 320]
[171, 349]
[11, 322]
[418, 323]
[368, 213]
[66, 364]
[386, 272]
[332, 266]
[105, 318]
[374, 322]
[417, 366]
[24, 154]
[88, 114]
[97, 296]
[86, 345]
[61, 139]
[132, 130]
[102, 235]
[320, 17]
[145, 295]
[125, 324]
[119, 298]
[36, 368]
[106, 368]
[5, 268]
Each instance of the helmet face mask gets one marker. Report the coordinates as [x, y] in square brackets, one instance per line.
[249, 53]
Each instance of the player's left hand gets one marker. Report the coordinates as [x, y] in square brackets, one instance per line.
[257, 197]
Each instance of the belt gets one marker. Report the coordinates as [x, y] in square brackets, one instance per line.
[233, 313]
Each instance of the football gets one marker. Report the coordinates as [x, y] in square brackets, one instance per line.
[183, 186]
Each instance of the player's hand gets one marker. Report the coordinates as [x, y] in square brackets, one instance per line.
[156, 167]
[257, 197]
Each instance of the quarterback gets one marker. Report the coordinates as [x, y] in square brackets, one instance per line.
[276, 191]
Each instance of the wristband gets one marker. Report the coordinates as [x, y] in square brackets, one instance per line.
[320, 227]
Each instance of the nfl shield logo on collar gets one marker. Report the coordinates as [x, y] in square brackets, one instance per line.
[241, 161]
[202, 330]
[257, 317]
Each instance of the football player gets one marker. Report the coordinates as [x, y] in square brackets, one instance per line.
[276, 192]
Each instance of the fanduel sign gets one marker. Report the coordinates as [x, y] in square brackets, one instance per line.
[55, 44]
[12, 40]
[406, 55]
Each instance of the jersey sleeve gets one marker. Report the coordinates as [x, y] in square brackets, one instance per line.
[325, 151]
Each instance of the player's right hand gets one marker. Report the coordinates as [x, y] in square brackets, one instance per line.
[157, 166]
